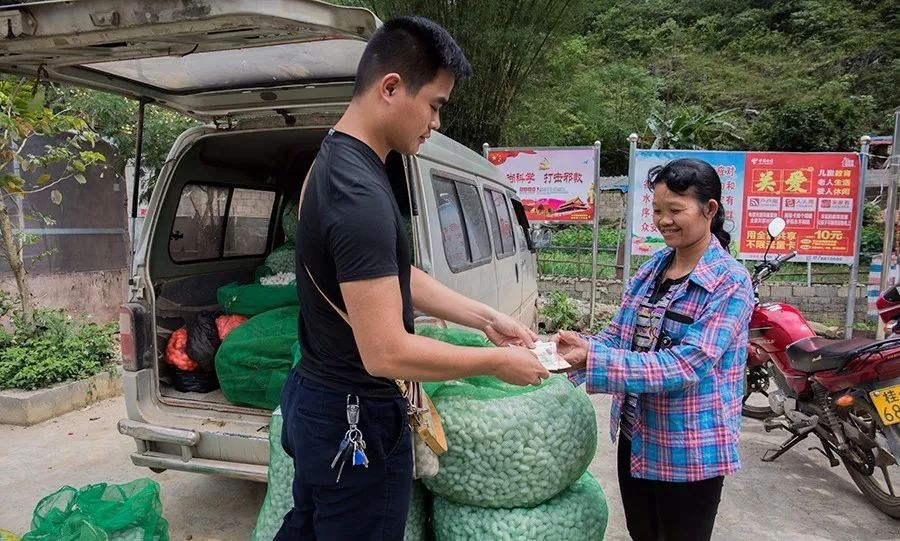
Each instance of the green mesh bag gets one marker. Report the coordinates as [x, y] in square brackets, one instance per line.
[579, 513]
[279, 495]
[289, 221]
[419, 517]
[254, 360]
[101, 512]
[510, 446]
[253, 299]
[282, 259]
[458, 337]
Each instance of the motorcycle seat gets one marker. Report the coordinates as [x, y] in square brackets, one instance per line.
[816, 354]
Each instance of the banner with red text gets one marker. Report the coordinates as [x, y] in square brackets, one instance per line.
[554, 184]
[816, 194]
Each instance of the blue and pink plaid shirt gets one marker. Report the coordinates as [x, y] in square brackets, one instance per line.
[690, 387]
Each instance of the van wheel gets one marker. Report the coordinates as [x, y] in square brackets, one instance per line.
[157, 470]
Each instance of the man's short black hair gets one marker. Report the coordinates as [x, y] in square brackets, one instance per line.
[414, 47]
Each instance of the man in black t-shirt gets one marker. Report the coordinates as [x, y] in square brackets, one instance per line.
[353, 257]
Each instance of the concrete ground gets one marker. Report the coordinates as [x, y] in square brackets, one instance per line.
[798, 498]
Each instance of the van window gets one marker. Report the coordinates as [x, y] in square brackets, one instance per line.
[501, 223]
[247, 232]
[213, 222]
[463, 225]
[522, 218]
[476, 225]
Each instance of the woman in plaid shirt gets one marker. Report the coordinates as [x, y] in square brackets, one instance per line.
[674, 359]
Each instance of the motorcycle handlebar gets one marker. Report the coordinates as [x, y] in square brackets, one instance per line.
[785, 257]
[765, 269]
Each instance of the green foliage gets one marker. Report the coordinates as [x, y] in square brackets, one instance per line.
[116, 118]
[797, 75]
[872, 240]
[504, 40]
[559, 312]
[692, 129]
[56, 349]
[7, 305]
[25, 112]
[871, 214]
[583, 93]
[583, 236]
[826, 124]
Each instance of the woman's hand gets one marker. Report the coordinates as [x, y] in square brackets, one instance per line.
[573, 348]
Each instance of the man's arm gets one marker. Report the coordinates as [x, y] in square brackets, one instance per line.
[435, 299]
[387, 350]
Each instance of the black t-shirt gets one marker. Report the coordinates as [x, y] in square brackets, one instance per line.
[350, 228]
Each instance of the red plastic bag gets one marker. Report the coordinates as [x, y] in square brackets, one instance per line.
[176, 351]
[226, 324]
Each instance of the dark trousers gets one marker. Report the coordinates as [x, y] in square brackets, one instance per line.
[665, 511]
[368, 503]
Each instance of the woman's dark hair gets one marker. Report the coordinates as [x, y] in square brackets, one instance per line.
[685, 173]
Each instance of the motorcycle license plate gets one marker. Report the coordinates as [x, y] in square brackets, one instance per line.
[887, 403]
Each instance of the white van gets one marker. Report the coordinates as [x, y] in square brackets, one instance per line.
[269, 77]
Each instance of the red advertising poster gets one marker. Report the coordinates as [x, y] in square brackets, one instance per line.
[816, 194]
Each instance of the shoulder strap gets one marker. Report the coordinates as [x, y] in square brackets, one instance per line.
[411, 391]
[344, 315]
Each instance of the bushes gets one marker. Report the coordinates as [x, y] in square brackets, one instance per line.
[57, 349]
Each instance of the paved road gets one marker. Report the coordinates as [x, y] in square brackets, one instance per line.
[797, 498]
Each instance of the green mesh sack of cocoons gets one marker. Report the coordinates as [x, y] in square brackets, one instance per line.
[289, 221]
[255, 358]
[418, 520]
[282, 259]
[279, 495]
[579, 513]
[254, 299]
[512, 446]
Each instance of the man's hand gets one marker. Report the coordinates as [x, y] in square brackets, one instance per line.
[504, 330]
[573, 348]
[521, 367]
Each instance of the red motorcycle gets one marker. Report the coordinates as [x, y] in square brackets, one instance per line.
[844, 392]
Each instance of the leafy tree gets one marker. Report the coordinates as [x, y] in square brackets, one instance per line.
[116, 118]
[688, 128]
[24, 113]
[504, 40]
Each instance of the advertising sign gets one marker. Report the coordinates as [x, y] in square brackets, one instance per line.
[815, 193]
[645, 239]
[555, 184]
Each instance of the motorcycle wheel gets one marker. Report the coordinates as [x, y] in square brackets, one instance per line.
[757, 382]
[882, 486]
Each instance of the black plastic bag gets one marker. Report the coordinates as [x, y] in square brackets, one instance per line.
[195, 382]
[203, 340]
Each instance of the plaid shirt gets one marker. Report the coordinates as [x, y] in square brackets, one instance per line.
[691, 387]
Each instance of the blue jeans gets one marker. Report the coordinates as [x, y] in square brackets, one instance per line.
[368, 503]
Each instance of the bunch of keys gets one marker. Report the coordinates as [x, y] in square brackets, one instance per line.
[353, 445]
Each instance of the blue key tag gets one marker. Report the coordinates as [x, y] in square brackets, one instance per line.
[358, 458]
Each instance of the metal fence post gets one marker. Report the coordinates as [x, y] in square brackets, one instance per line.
[854, 269]
[596, 230]
[891, 214]
[629, 207]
